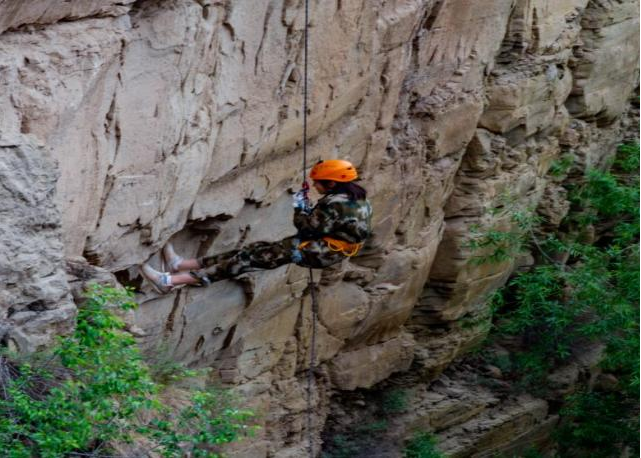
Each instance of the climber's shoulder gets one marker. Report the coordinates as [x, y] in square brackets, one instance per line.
[345, 207]
[334, 199]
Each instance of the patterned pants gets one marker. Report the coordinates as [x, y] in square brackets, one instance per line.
[264, 256]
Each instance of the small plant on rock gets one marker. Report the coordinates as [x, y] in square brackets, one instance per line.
[421, 445]
[394, 401]
[496, 245]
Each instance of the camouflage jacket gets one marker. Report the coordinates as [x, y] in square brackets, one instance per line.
[336, 216]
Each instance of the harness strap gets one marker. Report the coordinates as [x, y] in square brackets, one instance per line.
[346, 248]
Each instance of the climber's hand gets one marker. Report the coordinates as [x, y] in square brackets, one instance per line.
[300, 200]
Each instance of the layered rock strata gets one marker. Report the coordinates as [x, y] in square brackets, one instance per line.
[180, 120]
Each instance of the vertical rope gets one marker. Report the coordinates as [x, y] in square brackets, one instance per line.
[305, 91]
[312, 287]
[312, 360]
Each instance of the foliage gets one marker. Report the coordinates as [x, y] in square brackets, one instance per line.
[164, 369]
[596, 424]
[627, 159]
[561, 166]
[372, 427]
[93, 388]
[394, 401]
[421, 445]
[368, 434]
[595, 296]
[592, 297]
[495, 245]
[343, 446]
[210, 420]
[532, 453]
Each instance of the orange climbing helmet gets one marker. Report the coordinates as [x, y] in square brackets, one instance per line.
[335, 170]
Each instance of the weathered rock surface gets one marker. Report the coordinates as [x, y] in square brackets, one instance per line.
[16, 14]
[468, 414]
[181, 120]
[35, 304]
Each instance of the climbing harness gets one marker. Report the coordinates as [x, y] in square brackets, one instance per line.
[311, 285]
[346, 248]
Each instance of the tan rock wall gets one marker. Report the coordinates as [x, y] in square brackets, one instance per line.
[181, 120]
[529, 120]
[34, 297]
[16, 13]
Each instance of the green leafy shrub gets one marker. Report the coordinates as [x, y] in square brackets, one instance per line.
[343, 446]
[93, 388]
[598, 425]
[627, 161]
[164, 369]
[421, 445]
[562, 165]
[495, 245]
[532, 452]
[594, 296]
[371, 427]
[394, 401]
[210, 420]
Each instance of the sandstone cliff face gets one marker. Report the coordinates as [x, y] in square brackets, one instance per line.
[180, 120]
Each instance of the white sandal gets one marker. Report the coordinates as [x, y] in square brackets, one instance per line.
[160, 281]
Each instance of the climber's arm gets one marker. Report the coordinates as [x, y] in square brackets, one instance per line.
[315, 224]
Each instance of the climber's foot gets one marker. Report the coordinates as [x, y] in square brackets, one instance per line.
[160, 281]
[171, 258]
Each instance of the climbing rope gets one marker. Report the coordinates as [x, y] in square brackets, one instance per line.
[312, 359]
[311, 286]
[305, 185]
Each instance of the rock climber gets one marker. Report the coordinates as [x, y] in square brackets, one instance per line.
[334, 228]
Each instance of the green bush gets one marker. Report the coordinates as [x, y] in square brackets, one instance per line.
[394, 401]
[343, 446]
[421, 445]
[598, 425]
[561, 166]
[594, 296]
[494, 245]
[93, 388]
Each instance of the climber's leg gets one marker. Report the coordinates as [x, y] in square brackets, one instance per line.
[176, 263]
[182, 278]
[257, 256]
[208, 269]
[187, 265]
